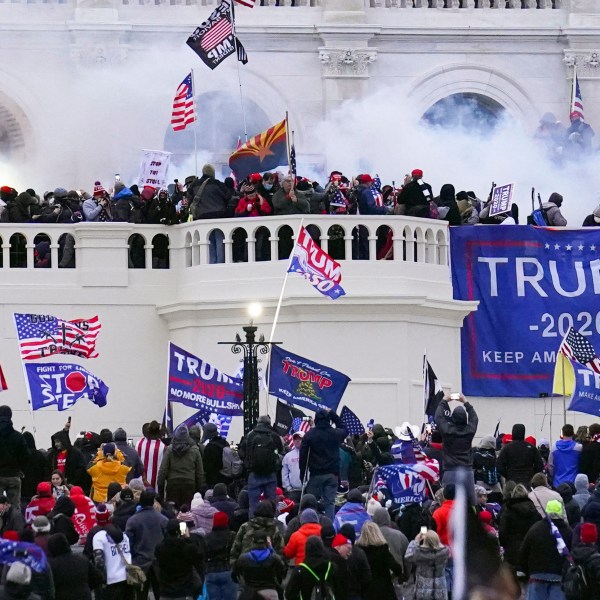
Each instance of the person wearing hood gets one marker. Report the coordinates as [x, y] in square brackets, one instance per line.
[219, 585]
[261, 569]
[36, 469]
[42, 259]
[320, 455]
[352, 511]
[396, 540]
[132, 458]
[202, 514]
[564, 458]
[106, 470]
[264, 522]
[84, 518]
[68, 460]
[19, 209]
[539, 558]
[41, 504]
[261, 450]
[447, 206]
[145, 530]
[181, 472]
[125, 205]
[519, 460]
[485, 464]
[61, 519]
[222, 502]
[582, 490]
[551, 209]
[17, 585]
[14, 456]
[161, 210]
[458, 430]
[111, 550]
[571, 507]
[74, 576]
[11, 518]
[151, 451]
[585, 553]
[293, 524]
[518, 514]
[593, 219]
[309, 525]
[212, 458]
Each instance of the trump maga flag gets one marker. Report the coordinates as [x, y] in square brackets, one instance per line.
[195, 383]
[263, 152]
[532, 284]
[63, 385]
[304, 382]
[316, 266]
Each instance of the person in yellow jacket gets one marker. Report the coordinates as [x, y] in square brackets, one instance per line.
[105, 469]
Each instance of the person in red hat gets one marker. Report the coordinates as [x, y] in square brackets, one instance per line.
[585, 553]
[252, 204]
[41, 504]
[415, 196]
[579, 126]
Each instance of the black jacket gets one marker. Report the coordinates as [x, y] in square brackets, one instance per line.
[249, 442]
[571, 506]
[60, 519]
[213, 461]
[213, 202]
[412, 196]
[178, 559]
[382, 565]
[519, 461]
[218, 549]
[301, 583]
[538, 551]
[588, 556]
[591, 511]
[14, 453]
[320, 450]
[260, 570]
[36, 468]
[516, 518]
[123, 512]
[589, 462]
[457, 434]
[75, 467]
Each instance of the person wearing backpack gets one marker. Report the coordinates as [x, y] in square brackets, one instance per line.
[519, 460]
[212, 456]
[261, 452]
[484, 464]
[316, 578]
[586, 555]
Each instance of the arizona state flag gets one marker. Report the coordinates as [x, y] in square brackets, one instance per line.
[263, 152]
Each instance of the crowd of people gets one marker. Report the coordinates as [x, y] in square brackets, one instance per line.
[306, 516]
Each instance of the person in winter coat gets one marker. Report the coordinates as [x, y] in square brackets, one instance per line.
[126, 207]
[415, 196]
[442, 515]
[293, 524]
[178, 559]
[19, 210]
[74, 576]
[161, 210]
[105, 470]
[564, 458]
[221, 501]
[359, 571]
[213, 455]
[552, 210]
[132, 458]
[320, 454]
[111, 551]
[286, 202]
[14, 456]
[517, 516]
[458, 430]
[582, 490]
[260, 569]
[309, 525]
[84, 518]
[68, 460]
[18, 583]
[485, 469]
[381, 561]
[540, 559]
[591, 511]
[429, 557]
[589, 463]
[571, 506]
[41, 532]
[41, 504]
[585, 553]
[11, 518]
[181, 471]
[97, 209]
[61, 519]
[447, 206]
[592, 220]
[397, 542]
[541, 494]
[151, 450]
[219, 584]
[263, 522]
[35, 469]
[125, 509]
[519, 460]
[145, 530]
[209, 197]
[317, 567]
[202, 513]
[353, 511]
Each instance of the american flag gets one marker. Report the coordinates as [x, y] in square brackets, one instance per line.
[338, 199]
[202, 417]
[217, 34]
[248, 3]
[184, 111]
[241, 52]
[351, 421]
[299, 424]
[44, 335]
[293, 165]
[576, 347]
[3, 385]
[24, 552]
[576, 99]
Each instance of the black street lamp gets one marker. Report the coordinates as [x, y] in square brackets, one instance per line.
[251, 348]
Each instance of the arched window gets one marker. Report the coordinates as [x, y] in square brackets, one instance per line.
[336, 243]
[137, 251]
[239, 238]
[384, 242]
[42, 256]
[18, 251]
[160, 251]
[286, 243]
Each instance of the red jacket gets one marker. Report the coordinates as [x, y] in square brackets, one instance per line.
[296, 547]
[442, 520]
[260, 207]
[39, 506]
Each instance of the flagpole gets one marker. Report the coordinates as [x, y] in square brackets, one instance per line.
[29, 400]
[167, 389]
[195, 124]
[276, 317]
[564, 393]
[573, 88]
[287, 143]
[239, 73]
[425, 386]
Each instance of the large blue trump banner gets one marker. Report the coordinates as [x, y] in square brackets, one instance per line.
[585, 389]
[532, 284]
[304, 382]
[195, 383]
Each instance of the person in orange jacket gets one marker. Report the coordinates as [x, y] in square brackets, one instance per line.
[105, 469]
[309, 525]
[442, 515]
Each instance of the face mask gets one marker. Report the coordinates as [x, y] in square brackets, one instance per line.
[268, 186]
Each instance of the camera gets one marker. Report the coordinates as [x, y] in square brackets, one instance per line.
[455, 396]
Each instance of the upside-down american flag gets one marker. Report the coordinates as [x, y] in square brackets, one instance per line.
[44, 335]
[184, 111]
[576, 99]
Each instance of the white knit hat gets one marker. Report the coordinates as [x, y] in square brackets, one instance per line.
[197, 500]
[19, 573]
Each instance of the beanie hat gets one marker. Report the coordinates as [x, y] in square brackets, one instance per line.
[485, 516]
[98, 189]
[364, 178]
[355, 496]
[220, 489]
[264, 419]
[11, 534]
[126, 495]
[588, 533]
[103, 515]
[255, 178]
[209, 431]
[44, 489]
[19, 573]
[60, 193]
[6, 411]
[41, 525]
[136, 485]
[554, 507]
[208, 170]
[531, 440]
[340, 540]
[220, 519]
[196, 500]
[109, 448]
[417, 173]
[308, 515]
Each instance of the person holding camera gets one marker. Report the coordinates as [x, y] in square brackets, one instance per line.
[429, 557]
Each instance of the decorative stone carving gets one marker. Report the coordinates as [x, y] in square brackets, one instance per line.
[346, 62]
[98, 55]
[587, 62]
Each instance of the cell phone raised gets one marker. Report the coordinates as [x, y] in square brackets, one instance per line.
[182, 528]
[455, 396]
[423, 530]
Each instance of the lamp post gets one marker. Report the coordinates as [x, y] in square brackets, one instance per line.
[251, 348]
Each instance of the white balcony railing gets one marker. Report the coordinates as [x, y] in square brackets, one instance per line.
[466, 4]
[202, 243]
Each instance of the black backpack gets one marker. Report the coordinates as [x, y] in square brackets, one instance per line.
[263, 456]
[485, 467]
[574, 584]
[322, 589]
